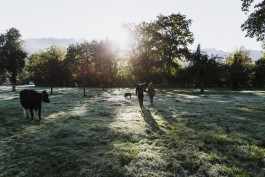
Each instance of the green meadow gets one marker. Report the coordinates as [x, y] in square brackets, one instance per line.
[219, 133]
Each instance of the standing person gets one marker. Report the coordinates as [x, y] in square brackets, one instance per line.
[151, 92]
[140, 88]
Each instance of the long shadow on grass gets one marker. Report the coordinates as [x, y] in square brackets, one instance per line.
[213, 124]
[73, 139]
[151, 122]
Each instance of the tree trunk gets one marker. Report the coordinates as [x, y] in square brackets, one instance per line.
[13, 80]
[202, 87]
[51, 90]
[13, 87]
[84, 90]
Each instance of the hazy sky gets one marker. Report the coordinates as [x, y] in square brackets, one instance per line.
[215, 23]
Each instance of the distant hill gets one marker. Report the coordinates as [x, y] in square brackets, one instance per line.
[36, 44]
[254, 54]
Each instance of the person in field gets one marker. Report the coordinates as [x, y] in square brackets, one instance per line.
[151, 92]
[140, 89]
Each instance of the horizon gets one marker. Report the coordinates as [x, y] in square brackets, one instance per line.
[82, 39]
[215, 24]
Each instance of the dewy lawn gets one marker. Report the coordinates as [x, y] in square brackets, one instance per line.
[220, 133]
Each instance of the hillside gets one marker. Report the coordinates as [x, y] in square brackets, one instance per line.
[254, 54]
[36, 44]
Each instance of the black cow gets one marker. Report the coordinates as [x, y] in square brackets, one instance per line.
[31, 99]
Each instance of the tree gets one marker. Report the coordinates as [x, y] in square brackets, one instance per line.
[159, 45]
[240, 68]
[260, 69]
[255, 24]
[104, 62]
[33, 68]
[80, 63]
[3, 60]
[202, 67]
[260, 72]
[47, 67]
[173, 37]
[263, 49]
[12, 54]
[143, 62]
[54, 66]
[142, 67]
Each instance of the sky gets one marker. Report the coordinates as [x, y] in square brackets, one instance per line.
[215, 23]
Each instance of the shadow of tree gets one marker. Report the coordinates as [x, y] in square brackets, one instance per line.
[72, 139]
[227, 125]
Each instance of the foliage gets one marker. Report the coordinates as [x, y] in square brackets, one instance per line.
[12, 54]
[158, 50]
[124, 72]
[159, 46]
[260, 72]
[240, 68]
[203, 67]
[3, 60]
[92, 63]
[263, 48]
[104, 62]
[142, 63]
[173, 37]
[47, 67]
[79, 62]
[255, 24]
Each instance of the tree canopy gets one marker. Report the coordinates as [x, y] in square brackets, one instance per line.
[12, 54]
[202, 67]
[48, 67]
[159, 46]
[240, 68]
[255, 24]
[158, 53]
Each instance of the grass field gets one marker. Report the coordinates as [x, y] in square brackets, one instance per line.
[220, 133]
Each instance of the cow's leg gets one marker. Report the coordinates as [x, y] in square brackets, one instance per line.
[26, 113]
[31, 113]
[39, 113]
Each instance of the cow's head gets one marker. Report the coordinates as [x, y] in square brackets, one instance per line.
[45, 97]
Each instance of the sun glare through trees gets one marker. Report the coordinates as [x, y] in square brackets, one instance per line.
[136, 101]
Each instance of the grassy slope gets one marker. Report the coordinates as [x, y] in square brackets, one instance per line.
[187, 134]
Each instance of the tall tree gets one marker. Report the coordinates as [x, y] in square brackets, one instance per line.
[104, 61]
[47, 67]
[202, 67]
[173, 36]
[260, 72]
[159, 45]
[33, 68]
[263, 49]
[143, 62]
[79, 61]
[53, 65]
[12, 54]
[255, 24]
[3, 60]
[240, 68]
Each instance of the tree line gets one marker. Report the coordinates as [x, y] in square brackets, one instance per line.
[158, 51]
